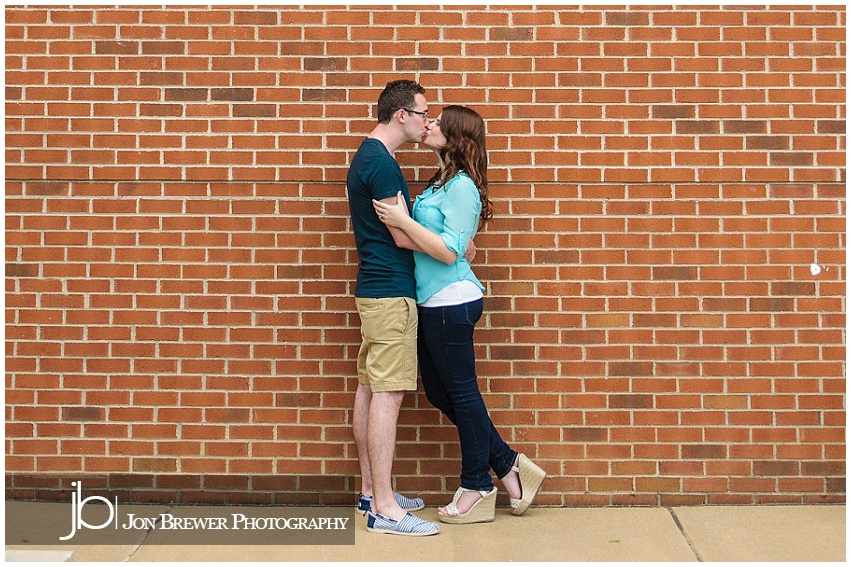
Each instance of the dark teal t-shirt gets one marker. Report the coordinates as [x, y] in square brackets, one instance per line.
[384, 269]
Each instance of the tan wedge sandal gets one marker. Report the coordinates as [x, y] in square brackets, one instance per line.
[531, 478]
[482, 511]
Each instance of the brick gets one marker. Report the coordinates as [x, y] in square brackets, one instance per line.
[674, 273]
[117, 47]
[511, 34]
[775, 468]
[631, 369]
[831, 127]
[83, 413]
[163, 47]
[631, 401]
[255, 110]
[674, 111]
[698, 127]
[745, 127]
[771, 304]
[325, 63]
[255, 18]
[767, 143]
[651, 322]
[627, 19]
[231, 94]
[417, 64]
[585, 434]
[326, 95]
[161, 78]
[704, 452]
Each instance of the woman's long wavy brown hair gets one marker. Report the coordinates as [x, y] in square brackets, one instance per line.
[465, 149]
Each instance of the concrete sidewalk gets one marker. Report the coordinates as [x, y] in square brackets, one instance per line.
[707, 533]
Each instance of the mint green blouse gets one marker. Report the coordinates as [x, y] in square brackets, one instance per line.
[452, 211]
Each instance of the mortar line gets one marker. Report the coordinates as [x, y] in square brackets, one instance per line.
[322, 181]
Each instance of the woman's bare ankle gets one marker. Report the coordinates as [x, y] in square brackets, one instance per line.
[511, 483]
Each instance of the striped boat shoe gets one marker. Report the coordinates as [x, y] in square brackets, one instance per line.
[410, 525]
[405, 503]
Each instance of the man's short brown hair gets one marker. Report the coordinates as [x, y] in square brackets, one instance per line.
[396, 95]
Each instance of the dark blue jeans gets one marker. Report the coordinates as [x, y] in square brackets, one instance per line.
[448, 369]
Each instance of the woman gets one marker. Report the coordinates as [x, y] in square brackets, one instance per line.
[449, 298]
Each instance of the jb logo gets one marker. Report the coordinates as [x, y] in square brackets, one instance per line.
[77, 503]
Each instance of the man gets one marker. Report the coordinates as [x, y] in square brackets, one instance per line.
[385, 295]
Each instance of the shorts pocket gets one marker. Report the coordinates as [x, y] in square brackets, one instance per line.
[384, 320]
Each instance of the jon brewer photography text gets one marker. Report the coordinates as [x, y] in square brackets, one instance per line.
[234, 522]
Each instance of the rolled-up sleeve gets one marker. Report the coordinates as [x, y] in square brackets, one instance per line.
[460, 207]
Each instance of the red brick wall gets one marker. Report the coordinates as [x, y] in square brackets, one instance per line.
[180, 265]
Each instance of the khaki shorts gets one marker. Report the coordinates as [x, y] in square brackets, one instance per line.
[387, 361]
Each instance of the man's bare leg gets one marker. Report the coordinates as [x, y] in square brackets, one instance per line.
[383, 415]
[360, 426]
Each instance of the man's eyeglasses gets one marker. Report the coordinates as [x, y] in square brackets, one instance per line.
[409, 111]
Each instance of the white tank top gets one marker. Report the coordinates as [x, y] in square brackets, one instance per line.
[455, 293]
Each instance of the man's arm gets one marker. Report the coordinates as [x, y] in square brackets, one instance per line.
[400, 237]
[394, 212]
